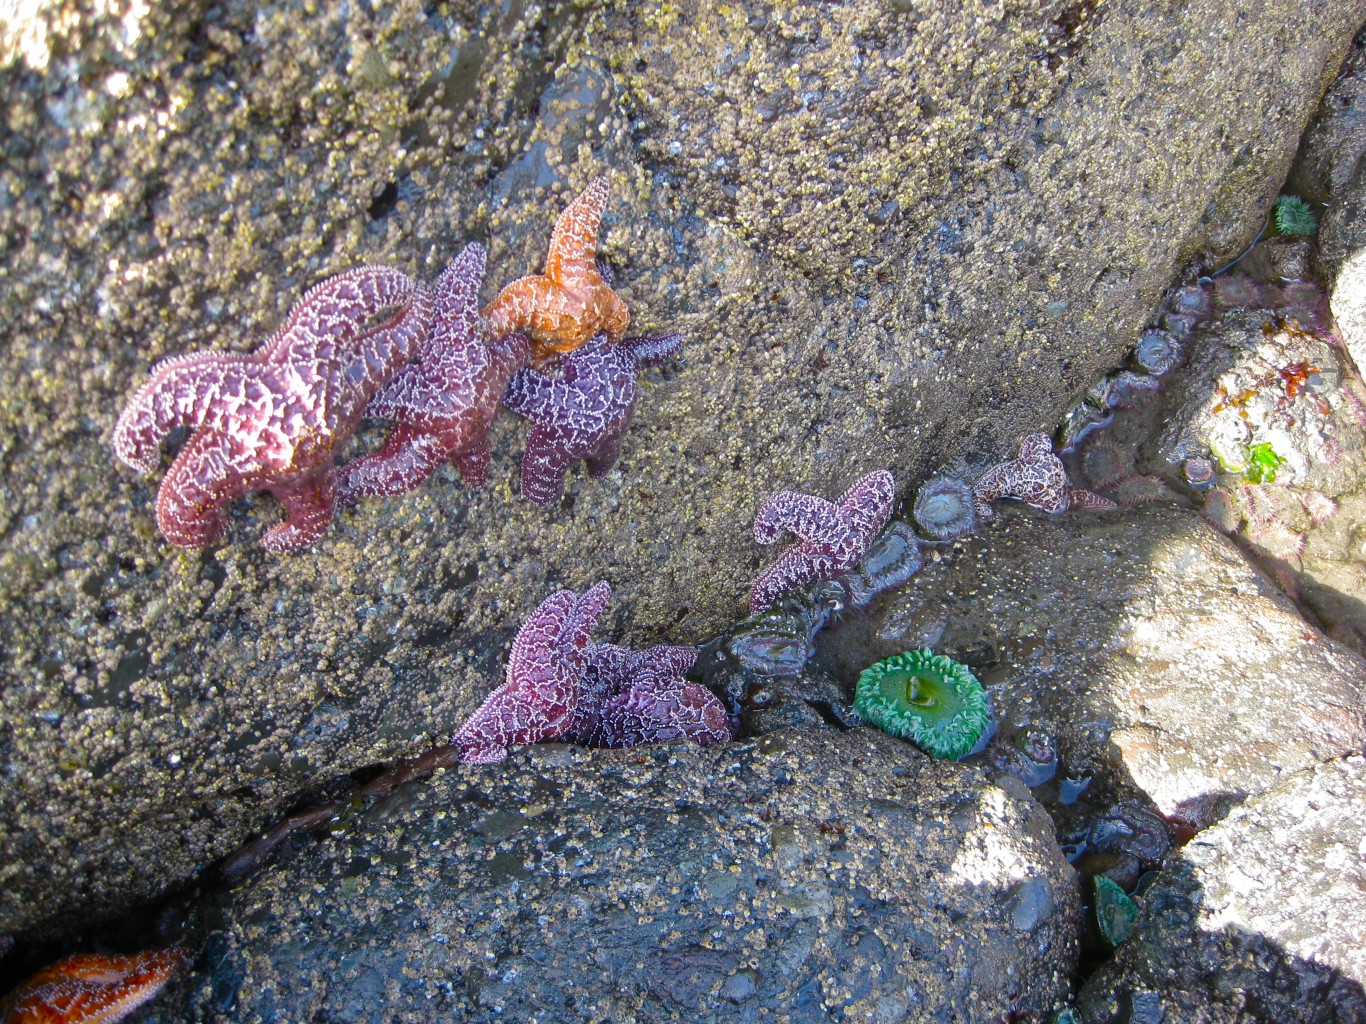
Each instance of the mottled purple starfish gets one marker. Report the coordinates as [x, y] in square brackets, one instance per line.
[544, 675]
[584, 412]
[270, 421]
[833, 536]
[443, 403]
[1038, 478]
[635, 697]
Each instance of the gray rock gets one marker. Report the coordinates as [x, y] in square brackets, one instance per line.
[1259, 919]
[894, 235]
[1163, 664]
[804, 874]
[1332, 169]
[1249, 387]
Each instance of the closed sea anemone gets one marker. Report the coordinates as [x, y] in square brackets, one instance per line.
[943, 508]
[924, 697]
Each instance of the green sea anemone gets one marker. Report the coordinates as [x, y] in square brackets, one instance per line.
[1294, 216]
[1263, 462]
[926, 698]
[1116, 913]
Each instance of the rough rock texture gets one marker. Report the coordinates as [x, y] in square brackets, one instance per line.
[1166, 667]
[796, 877]
[892, 233]
[1258, 920]
[1249, 385]
[1332, 168]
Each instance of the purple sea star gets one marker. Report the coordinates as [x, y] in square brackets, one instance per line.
[270, 421]
[1038, 478]
[544, 675]
[632, 698]
[833, 536]
[584, 412]
[443, 403]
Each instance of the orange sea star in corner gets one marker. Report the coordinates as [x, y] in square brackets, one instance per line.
[569, 303]
[91, 988]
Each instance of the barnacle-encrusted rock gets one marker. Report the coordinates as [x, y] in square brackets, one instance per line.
[877, 261]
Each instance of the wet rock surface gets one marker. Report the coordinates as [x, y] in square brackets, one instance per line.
[1257, 919]
[796, 876]
[1164, 667]
[173, 180]
[1279, 416]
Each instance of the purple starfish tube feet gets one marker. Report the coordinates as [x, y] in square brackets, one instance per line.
[544, 677]
[270, 421]
[584, 412]
[443, 403]
[834, 536]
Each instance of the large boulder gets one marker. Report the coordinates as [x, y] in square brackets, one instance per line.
[1259, 920]
[892, 233]
[803, 874]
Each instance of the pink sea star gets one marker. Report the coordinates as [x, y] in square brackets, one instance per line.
[1038, 478]
[833, 536]
[270, 421]
[443, 403]
[635, 697]
[544, 675]
[583, 413]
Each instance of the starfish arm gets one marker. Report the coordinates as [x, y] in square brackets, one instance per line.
[652, 349]
[93, 988]
[663, 659]
[309, 503]
[514, 307]
[473, 463]
[868, 505]
[600, 463]
[814, 520]
[409, 456]
[202, 479]
[506, 356]
[573, 246]
[509, 715]
[1036, 448]
[455, 306]
[334, 314]
[579, 623]
[544, 465]
[799, 564]
[533, 649]
[656, 709]
[530, 394]
[1082, 499]
[182, 392]
[617, 317]
[992, 484]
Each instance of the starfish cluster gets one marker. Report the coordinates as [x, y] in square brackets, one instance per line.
[561, 687]
[375, 343]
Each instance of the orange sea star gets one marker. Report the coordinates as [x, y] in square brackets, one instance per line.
[569, 303]
[91, 988]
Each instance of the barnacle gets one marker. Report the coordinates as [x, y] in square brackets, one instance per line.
[924, 697]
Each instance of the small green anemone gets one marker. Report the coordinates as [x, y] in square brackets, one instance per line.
[1294, 216]
[926, 698]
